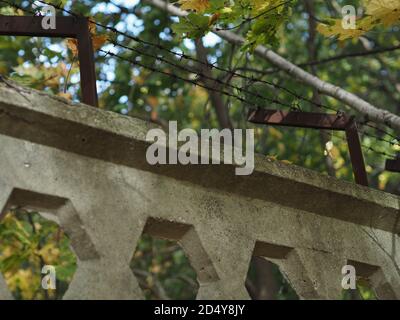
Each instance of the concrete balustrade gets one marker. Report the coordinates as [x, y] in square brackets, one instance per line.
[86, 169]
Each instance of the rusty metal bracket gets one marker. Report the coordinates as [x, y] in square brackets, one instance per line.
[67, 27]
[393, 165]
[322, 121]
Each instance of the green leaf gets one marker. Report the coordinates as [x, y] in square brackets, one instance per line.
[193, 26]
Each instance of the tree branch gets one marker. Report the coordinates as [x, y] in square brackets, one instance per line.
[350, 55]
[353, 101]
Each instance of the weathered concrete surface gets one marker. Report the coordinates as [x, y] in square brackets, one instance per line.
[88, 168]
[4, 292]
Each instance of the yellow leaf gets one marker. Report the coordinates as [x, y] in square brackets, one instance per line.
[52, 81]
[139, 80]
[214, 18]
[337, 30]
[194, 5]
[272, 158]
[98, 41]
[92, 26]
[155, 269]
[152, 101]
[260, 6]
[275, 133]
[383, 179]
[72, 45]
[65, 95]
[387, 11]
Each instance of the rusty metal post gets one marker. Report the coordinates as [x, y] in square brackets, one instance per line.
[393, 165]
[321, 121]
[71, 27]
[86, 64]
[299, 119]
[356, 156]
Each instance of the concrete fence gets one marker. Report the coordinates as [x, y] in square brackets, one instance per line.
[86, 169]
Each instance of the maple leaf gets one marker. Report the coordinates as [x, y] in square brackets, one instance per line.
[194, 5]
[97, 40]
[40, 76]
[214, 18]
[65, 95]
[92, 26]
[387, 11]
[337, 30]
[72, 45]
[152, 101]
[272, 158]
[260, 6]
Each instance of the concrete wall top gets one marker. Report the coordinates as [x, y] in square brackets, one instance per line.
[51, 121]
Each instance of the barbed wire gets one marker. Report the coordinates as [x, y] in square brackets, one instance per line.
[214, 66]
[173, 75]
[207, 64]
[181, 67]
[202, 75]
[183, 56]
[393, 137]
[232, 73]
[238, 88]
[366, 124]
[188, 57]
[151, 68]
[369, 148]
[394, 144]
